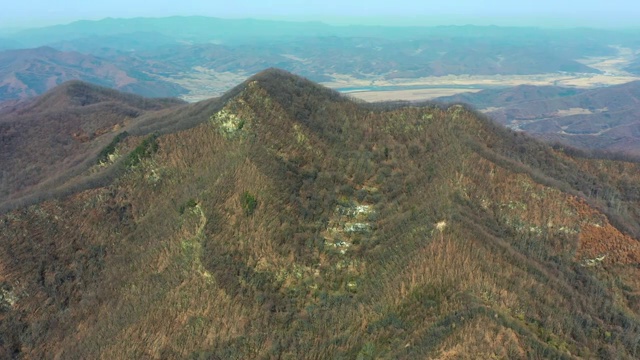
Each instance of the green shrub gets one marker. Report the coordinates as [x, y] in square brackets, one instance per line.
[368, 351]
[248, 203]
[148, 147]
[111, 148]
[191, 203]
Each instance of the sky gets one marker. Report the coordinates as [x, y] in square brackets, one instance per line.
[554, 13]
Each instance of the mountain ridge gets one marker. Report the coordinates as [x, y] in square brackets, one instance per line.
[44, 137]
[29, 72]
[284, 220]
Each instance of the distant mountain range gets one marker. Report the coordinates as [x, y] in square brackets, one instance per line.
[634, 67]
[605, 118]
[165, 56]
[200, 29]
[30, 72]
[320, 58]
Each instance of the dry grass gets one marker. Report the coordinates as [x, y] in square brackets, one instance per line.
[203, 83]
[573, 111]
[612, 65]
[408, 95]
[577, 80]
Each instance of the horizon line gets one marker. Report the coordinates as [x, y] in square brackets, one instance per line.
[369, 21]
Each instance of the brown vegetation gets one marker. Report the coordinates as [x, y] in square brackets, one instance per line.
[471, 241]
[61, 131]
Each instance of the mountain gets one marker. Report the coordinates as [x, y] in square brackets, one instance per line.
[321, 58]
[48, 137]
[604, 118]
[166, 68]
[201, 29]
[634, 66]
[284, 220]
[128, 43]
[198, 57]
[494, 98]
[6, 44]
[25, 73]
[195, 29]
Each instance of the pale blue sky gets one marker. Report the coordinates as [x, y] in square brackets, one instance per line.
[27, 13]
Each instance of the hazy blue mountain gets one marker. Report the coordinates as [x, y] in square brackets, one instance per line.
[198, 29]
[95, 44]
[634, 67]
[191, 29]
[6, 43]
[191, 51]
[28, 72]
[511, 96]
[603, 118]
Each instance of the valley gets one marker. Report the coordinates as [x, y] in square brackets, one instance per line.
[612, 67]
[143, 57]
[203, 83]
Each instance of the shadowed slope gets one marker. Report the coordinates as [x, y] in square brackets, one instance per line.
[57, 132]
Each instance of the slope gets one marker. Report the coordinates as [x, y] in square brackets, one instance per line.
[602, 118]
[633, 67]
[25, 73]
[295, 223]
[52, 135]
[498, 98]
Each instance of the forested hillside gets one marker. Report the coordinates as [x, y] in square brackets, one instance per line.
[295, 223]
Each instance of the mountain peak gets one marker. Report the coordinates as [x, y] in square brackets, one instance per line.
[273, 72]
[76, 93]
[278, 80]
[80, 93]
[284, 86]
